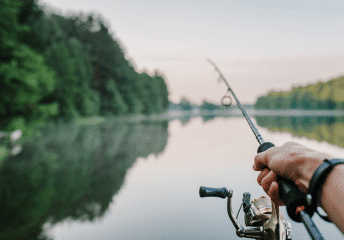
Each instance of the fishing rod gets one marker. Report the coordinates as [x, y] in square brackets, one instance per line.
[262, 217]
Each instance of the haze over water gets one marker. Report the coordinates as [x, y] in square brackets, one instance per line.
[127, 180]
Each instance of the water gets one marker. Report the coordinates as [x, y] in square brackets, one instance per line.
[141, 180]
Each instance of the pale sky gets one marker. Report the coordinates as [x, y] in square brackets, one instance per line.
[259, 45]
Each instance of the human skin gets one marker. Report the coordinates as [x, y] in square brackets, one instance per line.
[298, 163]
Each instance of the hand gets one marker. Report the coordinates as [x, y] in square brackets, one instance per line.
[292, 161]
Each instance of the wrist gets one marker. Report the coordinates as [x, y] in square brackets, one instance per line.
[306, 171]
[319, 179]
[312, 162]
[334, 177]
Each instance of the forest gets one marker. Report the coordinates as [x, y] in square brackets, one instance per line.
[67, 66]
[322, 95]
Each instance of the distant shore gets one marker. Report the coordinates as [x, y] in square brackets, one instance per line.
[234, 112]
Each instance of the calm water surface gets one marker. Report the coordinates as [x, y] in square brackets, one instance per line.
[141, 180]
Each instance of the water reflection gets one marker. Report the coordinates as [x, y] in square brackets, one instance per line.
[208, 117]
[324, 128]
[71, 172]
[185, 120]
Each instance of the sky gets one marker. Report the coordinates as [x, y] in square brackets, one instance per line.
[259, 45]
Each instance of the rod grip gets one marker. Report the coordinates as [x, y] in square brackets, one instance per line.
[265, 146]
[289, 193]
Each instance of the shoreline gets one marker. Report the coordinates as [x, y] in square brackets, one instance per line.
[176, 114]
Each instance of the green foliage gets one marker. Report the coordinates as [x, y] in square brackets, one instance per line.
[185, 105]
[26, 80]
[161, 92]
[104, 69]
[68, 66]
[24, 76]
[132, 99]
[9, 28]
[16, 123]
[90, 103]
[207, 106]
[113, 102]
[4, 153]
[328, 95]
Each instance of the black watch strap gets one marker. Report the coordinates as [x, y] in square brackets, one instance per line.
[317, 180]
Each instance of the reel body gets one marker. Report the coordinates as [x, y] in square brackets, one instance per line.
[262, 219]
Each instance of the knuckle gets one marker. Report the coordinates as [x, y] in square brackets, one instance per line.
[258, 157]
[266, 189]
[289, 144]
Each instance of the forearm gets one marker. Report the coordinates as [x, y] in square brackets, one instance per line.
[331, 196]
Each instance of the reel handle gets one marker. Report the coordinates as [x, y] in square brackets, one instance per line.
[290, 194]
[213, 192]
[246, 201]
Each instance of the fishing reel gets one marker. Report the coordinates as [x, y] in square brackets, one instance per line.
[262, 219]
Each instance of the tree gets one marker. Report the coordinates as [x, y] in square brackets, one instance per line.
[25, 79]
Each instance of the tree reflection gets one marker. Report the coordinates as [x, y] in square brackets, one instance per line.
[324, 128]
[185, 119]
[208, 117]
[70, 172]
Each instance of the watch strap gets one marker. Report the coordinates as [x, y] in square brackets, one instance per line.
[316, 182]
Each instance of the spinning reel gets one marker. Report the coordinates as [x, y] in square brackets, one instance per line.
[262, 219]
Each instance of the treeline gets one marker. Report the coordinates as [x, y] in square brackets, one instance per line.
[186, 105]
[53, 65]
[208, 106]
[322, 95]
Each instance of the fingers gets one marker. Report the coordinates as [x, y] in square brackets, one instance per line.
[262, 175]
[268, 180]
[260, 161]
[278, 159]
[269, 157]
[273, 194]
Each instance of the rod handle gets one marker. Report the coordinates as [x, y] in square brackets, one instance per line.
[290, 194]
[265, 146]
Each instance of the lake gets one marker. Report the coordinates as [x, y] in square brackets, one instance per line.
[140, 180]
